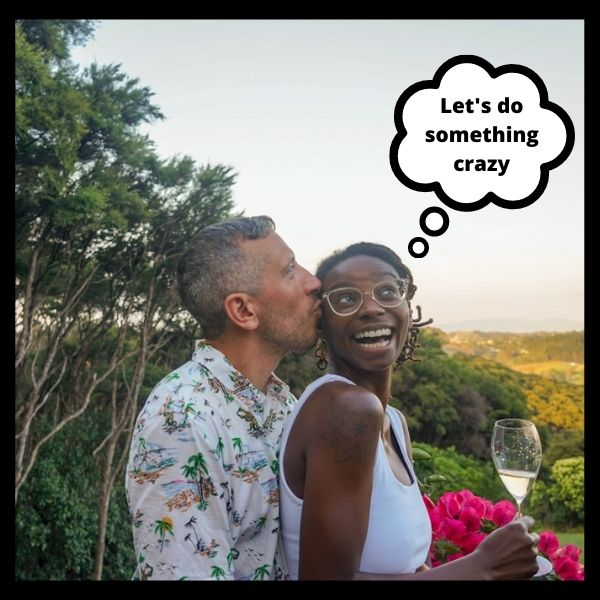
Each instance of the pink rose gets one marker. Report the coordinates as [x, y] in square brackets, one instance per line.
[449, 504]
[429, 504]
[573, 552]
[548, 543]
[489, 510]
[452, 529]
[436, 520]
[469, 542]
[567, 568]
[504, 512]
[471, 519]
[478, 505]
[464, 496]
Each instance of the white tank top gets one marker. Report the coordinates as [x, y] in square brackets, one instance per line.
[399, 532]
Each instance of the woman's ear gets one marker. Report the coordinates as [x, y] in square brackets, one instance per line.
[241, 310]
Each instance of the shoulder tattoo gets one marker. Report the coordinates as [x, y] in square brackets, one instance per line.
[351, 435]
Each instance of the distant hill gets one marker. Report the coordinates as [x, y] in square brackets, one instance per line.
[514, 325]
[553, 369]
[552, 384]
[557, 356]
[518, 348]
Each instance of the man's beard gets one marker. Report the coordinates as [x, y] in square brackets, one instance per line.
[284, 337]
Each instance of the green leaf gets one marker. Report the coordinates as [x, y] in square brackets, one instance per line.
[435, 478]
[420, 454]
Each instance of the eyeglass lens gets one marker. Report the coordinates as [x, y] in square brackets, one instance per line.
[387, 294]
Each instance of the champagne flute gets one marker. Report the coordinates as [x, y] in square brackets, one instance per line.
[517, 455]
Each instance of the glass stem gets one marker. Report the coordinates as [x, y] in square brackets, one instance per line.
[519, 509]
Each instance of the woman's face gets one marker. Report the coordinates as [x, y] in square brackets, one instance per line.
[372, 338]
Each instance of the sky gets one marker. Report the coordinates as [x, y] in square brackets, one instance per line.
[303, 110]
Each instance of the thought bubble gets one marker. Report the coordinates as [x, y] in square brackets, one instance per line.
[475, 135]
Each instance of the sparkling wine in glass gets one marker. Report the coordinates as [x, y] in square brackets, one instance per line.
[517, 454]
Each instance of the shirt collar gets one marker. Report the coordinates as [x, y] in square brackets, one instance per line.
[220, 366]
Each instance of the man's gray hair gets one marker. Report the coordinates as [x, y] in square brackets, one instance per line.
[215, 265]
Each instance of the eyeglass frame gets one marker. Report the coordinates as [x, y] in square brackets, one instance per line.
[362, 299]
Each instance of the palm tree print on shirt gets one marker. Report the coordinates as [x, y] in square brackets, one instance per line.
[193, 469]
[260, 573]
[162, 527]
[217, 573]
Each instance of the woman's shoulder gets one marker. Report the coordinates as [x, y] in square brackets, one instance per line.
[337, 396]
[343, 425]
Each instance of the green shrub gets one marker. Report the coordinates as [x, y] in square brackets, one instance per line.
[460, 472]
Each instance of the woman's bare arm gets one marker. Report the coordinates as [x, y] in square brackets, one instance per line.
[340, 454]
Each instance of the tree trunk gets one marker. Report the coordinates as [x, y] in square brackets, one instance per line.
[104, 503]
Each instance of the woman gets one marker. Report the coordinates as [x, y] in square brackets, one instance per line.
[350, 503]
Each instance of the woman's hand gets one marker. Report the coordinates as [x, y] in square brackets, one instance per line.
[509, 552]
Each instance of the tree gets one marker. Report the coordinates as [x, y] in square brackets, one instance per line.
[470, 437]
[567, 490]
[100, 224]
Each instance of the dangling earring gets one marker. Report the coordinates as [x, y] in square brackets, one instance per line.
[411, 339]
[409, 346]
[321, 354]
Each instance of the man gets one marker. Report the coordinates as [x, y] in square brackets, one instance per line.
[201, 479]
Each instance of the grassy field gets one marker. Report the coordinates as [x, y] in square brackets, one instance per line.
[562, 371]
[572, 538]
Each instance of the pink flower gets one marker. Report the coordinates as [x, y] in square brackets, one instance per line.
[569, 550]
[452, 529]
[548, 543]
[436, 520]
[429, 503]
[464, 496]
[489, 509]
[469, 542]
[504, 512]
[460, 521]
[478, 505]
[470, 518]
[449, 505]
[567, 568]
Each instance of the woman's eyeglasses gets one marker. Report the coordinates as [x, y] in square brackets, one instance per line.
[346, 301]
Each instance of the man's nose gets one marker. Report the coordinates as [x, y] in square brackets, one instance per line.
[312, 284]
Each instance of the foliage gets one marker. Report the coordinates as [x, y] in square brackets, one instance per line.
[459, 472]
[100, 224]
[567, 489]
[564, 444]
[298, 370]
[441, 392]
[554, 403]
[56, 519]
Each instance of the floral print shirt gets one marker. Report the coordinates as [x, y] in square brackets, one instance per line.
[201, 480]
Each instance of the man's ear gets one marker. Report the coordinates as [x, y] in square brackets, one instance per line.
[241, 310]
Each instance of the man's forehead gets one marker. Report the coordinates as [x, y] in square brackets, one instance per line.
[271, 248]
